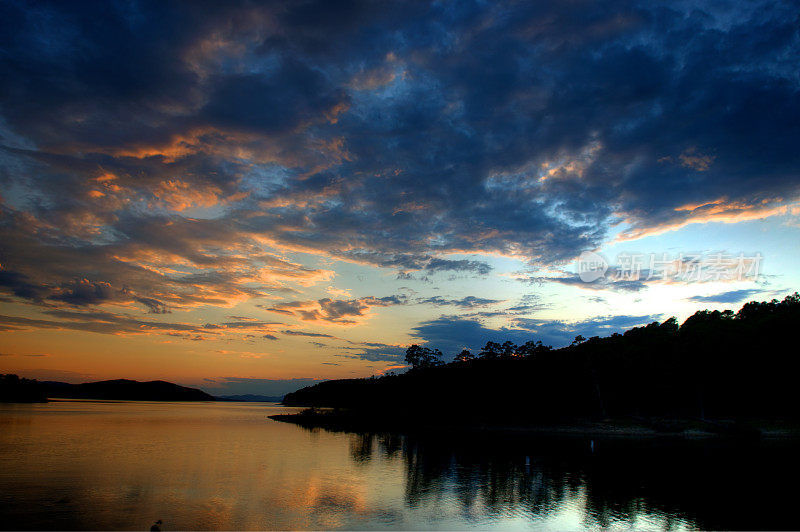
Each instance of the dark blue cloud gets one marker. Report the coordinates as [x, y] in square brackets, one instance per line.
[474, 266]
[18, 284]
[153, 306]
[609, 282]
[272, 103]
[308, 334]
[732, 296]
[467, 302]
[83, 292]
[375, 352]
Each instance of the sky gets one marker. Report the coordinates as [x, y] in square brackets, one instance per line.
[252, 197]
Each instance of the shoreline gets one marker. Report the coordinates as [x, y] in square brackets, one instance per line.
[609, 428]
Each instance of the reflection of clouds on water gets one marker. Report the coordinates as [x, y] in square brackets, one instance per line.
[85, 465]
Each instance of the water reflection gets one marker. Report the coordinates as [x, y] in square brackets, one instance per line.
[651, 483]
[227, 466]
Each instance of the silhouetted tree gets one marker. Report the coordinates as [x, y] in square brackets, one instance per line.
[423, 357]
[508, 350]
[464, 356]
[531, 348]
[491, 350]
[578, 340]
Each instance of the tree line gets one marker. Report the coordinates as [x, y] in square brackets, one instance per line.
[715, 365]
[424, 357]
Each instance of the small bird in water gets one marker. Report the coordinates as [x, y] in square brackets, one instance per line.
[156, 526]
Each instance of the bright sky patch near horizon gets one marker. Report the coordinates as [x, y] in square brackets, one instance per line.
[251, 197]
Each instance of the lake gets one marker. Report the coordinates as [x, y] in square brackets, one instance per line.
[221, 466]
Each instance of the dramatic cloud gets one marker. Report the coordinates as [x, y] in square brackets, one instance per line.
[161, 263]
[515, 129]
[165, 159]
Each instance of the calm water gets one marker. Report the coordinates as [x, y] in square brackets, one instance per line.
[122, 465]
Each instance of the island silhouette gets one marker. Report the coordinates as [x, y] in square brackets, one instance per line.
[19, 390]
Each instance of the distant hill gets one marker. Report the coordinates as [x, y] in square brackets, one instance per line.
[124, 389]
[715, 366]
[248, 397]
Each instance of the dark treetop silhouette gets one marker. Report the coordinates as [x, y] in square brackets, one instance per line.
[14, 389]
[715, 366]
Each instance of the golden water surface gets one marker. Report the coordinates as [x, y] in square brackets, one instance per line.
[224, 466]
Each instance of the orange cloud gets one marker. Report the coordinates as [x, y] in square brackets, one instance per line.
[105, 177]
[180, 195]
[719, 210]
[119, 324]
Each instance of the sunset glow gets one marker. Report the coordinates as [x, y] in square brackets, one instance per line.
[250, 198]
